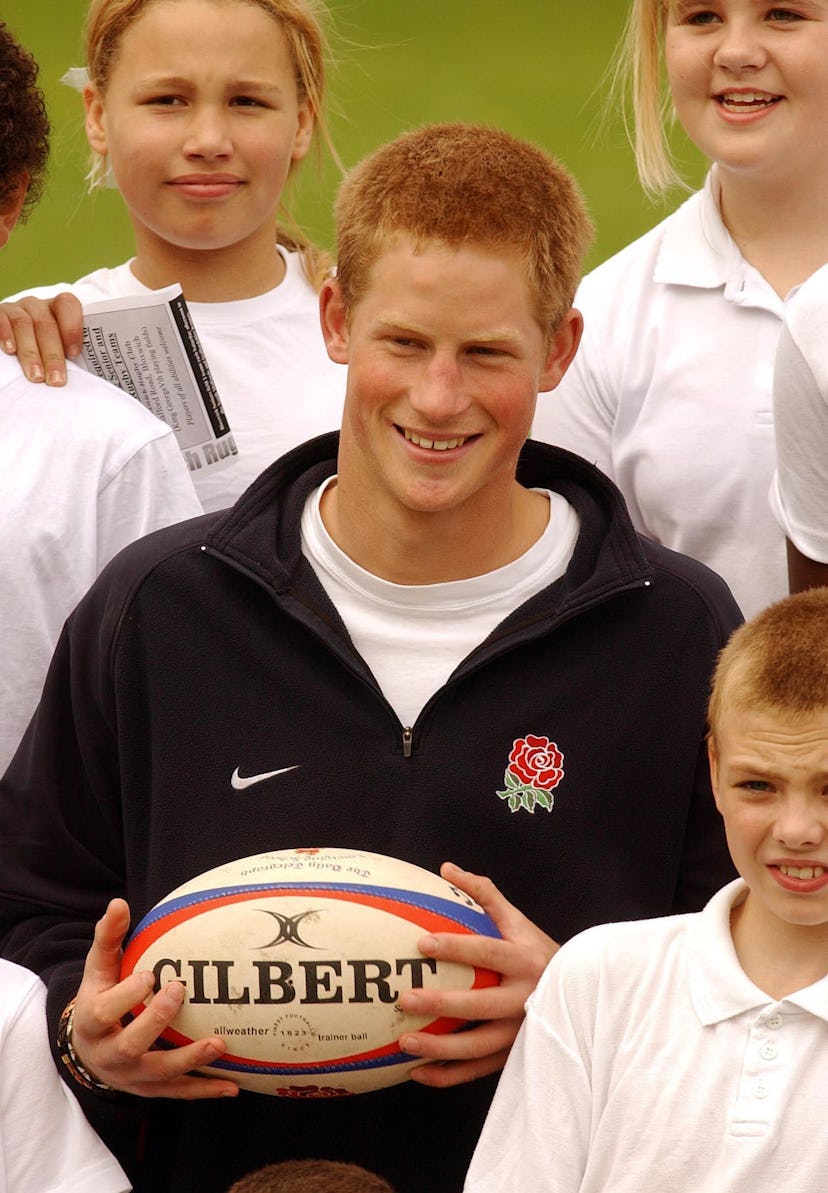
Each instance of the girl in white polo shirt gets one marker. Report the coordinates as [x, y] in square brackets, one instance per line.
[671, 391]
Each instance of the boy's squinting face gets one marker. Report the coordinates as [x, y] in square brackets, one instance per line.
[445, 361]
[770, 779]
[201, 122]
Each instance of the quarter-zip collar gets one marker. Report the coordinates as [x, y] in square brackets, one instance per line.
[260, 534]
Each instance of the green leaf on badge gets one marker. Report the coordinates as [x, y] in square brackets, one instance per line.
[521, 795]
[511, 781]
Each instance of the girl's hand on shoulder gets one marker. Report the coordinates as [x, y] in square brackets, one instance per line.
[42, 334]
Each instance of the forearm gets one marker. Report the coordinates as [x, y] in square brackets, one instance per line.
[804, 572]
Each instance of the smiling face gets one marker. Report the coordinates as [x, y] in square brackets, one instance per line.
[749, 82]
[445, 361]
[201, 121]
[770, 779]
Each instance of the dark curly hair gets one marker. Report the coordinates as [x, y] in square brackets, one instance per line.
[24, 125]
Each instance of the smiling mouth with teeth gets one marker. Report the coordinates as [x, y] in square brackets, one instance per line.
[746, 101]
[436, 445]
[802, 871]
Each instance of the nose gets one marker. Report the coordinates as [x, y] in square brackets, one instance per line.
[207, 134]
[800, 823]
[440, 392]
[741, 46]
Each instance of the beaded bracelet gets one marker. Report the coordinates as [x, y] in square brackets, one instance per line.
[69, 1057]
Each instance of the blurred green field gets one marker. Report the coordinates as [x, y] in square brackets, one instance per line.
[534, 67]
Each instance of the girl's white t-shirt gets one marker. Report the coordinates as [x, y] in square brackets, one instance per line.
[267, 357]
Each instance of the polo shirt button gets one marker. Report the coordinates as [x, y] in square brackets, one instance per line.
[774, 1021]
[760, 1090]
[769, 1051]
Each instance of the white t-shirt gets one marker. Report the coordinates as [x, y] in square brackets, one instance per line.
[413, 636]
[83, 472]
[799, 493]
[267, 357]
[670, 394]
[46, 1144]
[650, 1063]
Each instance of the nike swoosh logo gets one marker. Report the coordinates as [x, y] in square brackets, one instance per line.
[239, 784]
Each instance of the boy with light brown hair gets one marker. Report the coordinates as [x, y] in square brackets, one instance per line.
[684, 1053]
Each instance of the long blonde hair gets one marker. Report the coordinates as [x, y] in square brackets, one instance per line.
[303, 23]
[637, 74]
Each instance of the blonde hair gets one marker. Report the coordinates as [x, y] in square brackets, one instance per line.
[637, 75]
[466, 184]
[302, 22]
[777, 661]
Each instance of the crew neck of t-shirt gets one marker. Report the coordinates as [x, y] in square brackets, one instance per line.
[290, 293]
[545, 561]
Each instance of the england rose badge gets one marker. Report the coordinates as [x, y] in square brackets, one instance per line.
[535, 769]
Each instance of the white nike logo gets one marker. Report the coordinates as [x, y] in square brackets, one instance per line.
[239, 784]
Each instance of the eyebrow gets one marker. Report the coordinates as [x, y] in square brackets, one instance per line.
[173, 82]
[764, 768]
[494, 336]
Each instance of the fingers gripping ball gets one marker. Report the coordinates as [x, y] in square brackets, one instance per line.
[297, 959]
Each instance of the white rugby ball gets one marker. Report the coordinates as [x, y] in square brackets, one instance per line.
[297, 959]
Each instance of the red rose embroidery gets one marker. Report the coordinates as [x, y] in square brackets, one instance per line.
[535, 768]
[537, 762]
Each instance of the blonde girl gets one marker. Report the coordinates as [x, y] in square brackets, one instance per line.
[201, 110]
[671, 392]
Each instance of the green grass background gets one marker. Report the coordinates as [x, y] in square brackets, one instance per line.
[534, 67]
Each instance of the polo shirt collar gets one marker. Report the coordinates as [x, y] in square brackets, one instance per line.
[719, 987]
[697, 250]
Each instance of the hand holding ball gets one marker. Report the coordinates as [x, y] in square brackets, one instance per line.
[297, 959]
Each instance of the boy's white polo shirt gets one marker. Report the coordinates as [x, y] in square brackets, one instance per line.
[670, 394]
[650, 1062]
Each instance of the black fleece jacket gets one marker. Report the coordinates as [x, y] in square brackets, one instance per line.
[211, 646]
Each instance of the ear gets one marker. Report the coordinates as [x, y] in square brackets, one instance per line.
[95, 119]
[305, 123]
[333, 316]
[713, 759]
[11, 212]
[562, 349]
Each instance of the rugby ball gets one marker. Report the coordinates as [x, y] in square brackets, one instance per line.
[297, 959]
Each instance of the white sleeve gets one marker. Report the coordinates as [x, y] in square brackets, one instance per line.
[46, 1144]
[580, 414]
[799, 491]
[151, 489]
[536, 1135]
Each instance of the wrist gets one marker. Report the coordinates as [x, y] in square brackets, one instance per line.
[78, 1071]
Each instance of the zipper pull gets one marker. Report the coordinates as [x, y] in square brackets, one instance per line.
[407, 735]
